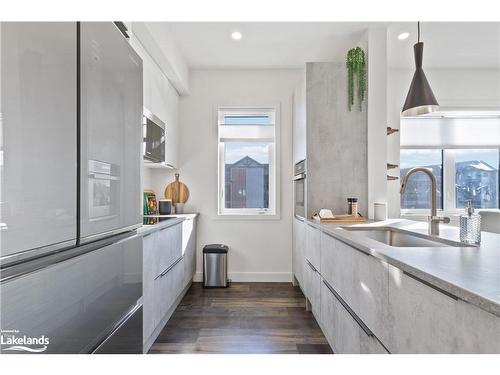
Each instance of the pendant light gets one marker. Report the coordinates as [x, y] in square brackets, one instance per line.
[420, 99]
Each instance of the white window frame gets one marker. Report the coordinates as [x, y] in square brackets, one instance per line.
[273, 212]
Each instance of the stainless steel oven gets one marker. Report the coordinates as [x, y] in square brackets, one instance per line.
[299, 189]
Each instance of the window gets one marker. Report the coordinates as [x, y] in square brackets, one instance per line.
[476, 177]
[247, 161]
[418, 191]
[464, 155]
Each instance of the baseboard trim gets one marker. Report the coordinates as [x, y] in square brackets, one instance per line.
[253, 277]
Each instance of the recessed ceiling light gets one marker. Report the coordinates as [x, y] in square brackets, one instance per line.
[236, 35]
[403, 36]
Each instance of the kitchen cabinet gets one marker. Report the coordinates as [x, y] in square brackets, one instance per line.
[167, 288]
[38, 125]
[299, 122]
[313, 288]
[169, 247]
[344, 331]
[313, 246]
[360, 279]
[74, 302]
[161, 99]
[298, 245]
[189, 249]
[169, 264]
[425, 319]
[148, 284]
[110, 131]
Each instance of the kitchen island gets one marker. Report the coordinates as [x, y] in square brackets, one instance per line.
[441, 297]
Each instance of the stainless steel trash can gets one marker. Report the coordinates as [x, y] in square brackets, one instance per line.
[215, 266]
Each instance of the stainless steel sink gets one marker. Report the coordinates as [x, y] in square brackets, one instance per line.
[399, 238]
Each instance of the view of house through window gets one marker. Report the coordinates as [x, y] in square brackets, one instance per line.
[246, 161]
[418, 191]
[476, 178]
[471, 174]
[246, 175]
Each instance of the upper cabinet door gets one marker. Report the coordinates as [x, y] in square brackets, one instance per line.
[38, 136]
[161, 99]
[299, 122]
[111, 124]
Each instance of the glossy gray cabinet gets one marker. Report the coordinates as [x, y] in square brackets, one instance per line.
[38, 136]
[111, 130]
[75, 303]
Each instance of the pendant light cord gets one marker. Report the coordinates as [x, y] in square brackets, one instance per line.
[418, 31]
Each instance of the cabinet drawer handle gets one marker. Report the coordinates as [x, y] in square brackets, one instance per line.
[437, 289]
[170, 267]
[363, 326]
[311, 266]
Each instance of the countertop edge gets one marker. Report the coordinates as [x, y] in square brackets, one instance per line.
[459, 292]
[148, 229]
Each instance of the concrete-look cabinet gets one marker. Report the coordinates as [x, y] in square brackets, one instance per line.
[426, 320]
[313, 246]
[360, 279]
[344, 333]
[169, 264]
[298, 246]
[313, 288]
[365, 305]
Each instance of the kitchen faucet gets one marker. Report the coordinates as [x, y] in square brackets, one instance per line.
[433, 220]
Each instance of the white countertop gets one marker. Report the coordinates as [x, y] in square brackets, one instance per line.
[172, 220]
[469, 273]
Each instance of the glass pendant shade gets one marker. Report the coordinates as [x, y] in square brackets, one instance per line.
[420, 99]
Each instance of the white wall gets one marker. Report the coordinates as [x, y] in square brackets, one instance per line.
[377, 117]
[260, 249]
[452, 87]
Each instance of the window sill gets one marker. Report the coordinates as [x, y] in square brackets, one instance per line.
[246, 217]
[453, 215]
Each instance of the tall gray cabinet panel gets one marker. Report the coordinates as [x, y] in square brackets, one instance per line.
[37, 137]
[75, 303]
[336, 142]
[111, 118]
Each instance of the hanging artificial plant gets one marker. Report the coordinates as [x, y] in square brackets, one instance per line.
[356, 68]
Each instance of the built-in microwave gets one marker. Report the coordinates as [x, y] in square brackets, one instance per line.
[153, 132]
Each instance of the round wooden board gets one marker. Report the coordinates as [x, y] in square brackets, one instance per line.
[177, 191]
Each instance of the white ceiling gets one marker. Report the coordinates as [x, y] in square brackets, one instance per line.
[291, 44]
[264, 44]
[446, 44]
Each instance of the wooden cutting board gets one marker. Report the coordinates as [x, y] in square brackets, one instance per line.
[177, 191]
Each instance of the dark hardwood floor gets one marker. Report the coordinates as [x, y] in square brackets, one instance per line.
[246, 318]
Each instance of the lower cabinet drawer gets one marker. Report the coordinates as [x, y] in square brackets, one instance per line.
[343, 330]
[313, 288]
[167, 288]
[427, 320]
[360, 279]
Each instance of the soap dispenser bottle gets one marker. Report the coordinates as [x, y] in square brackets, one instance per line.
[470, 225]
